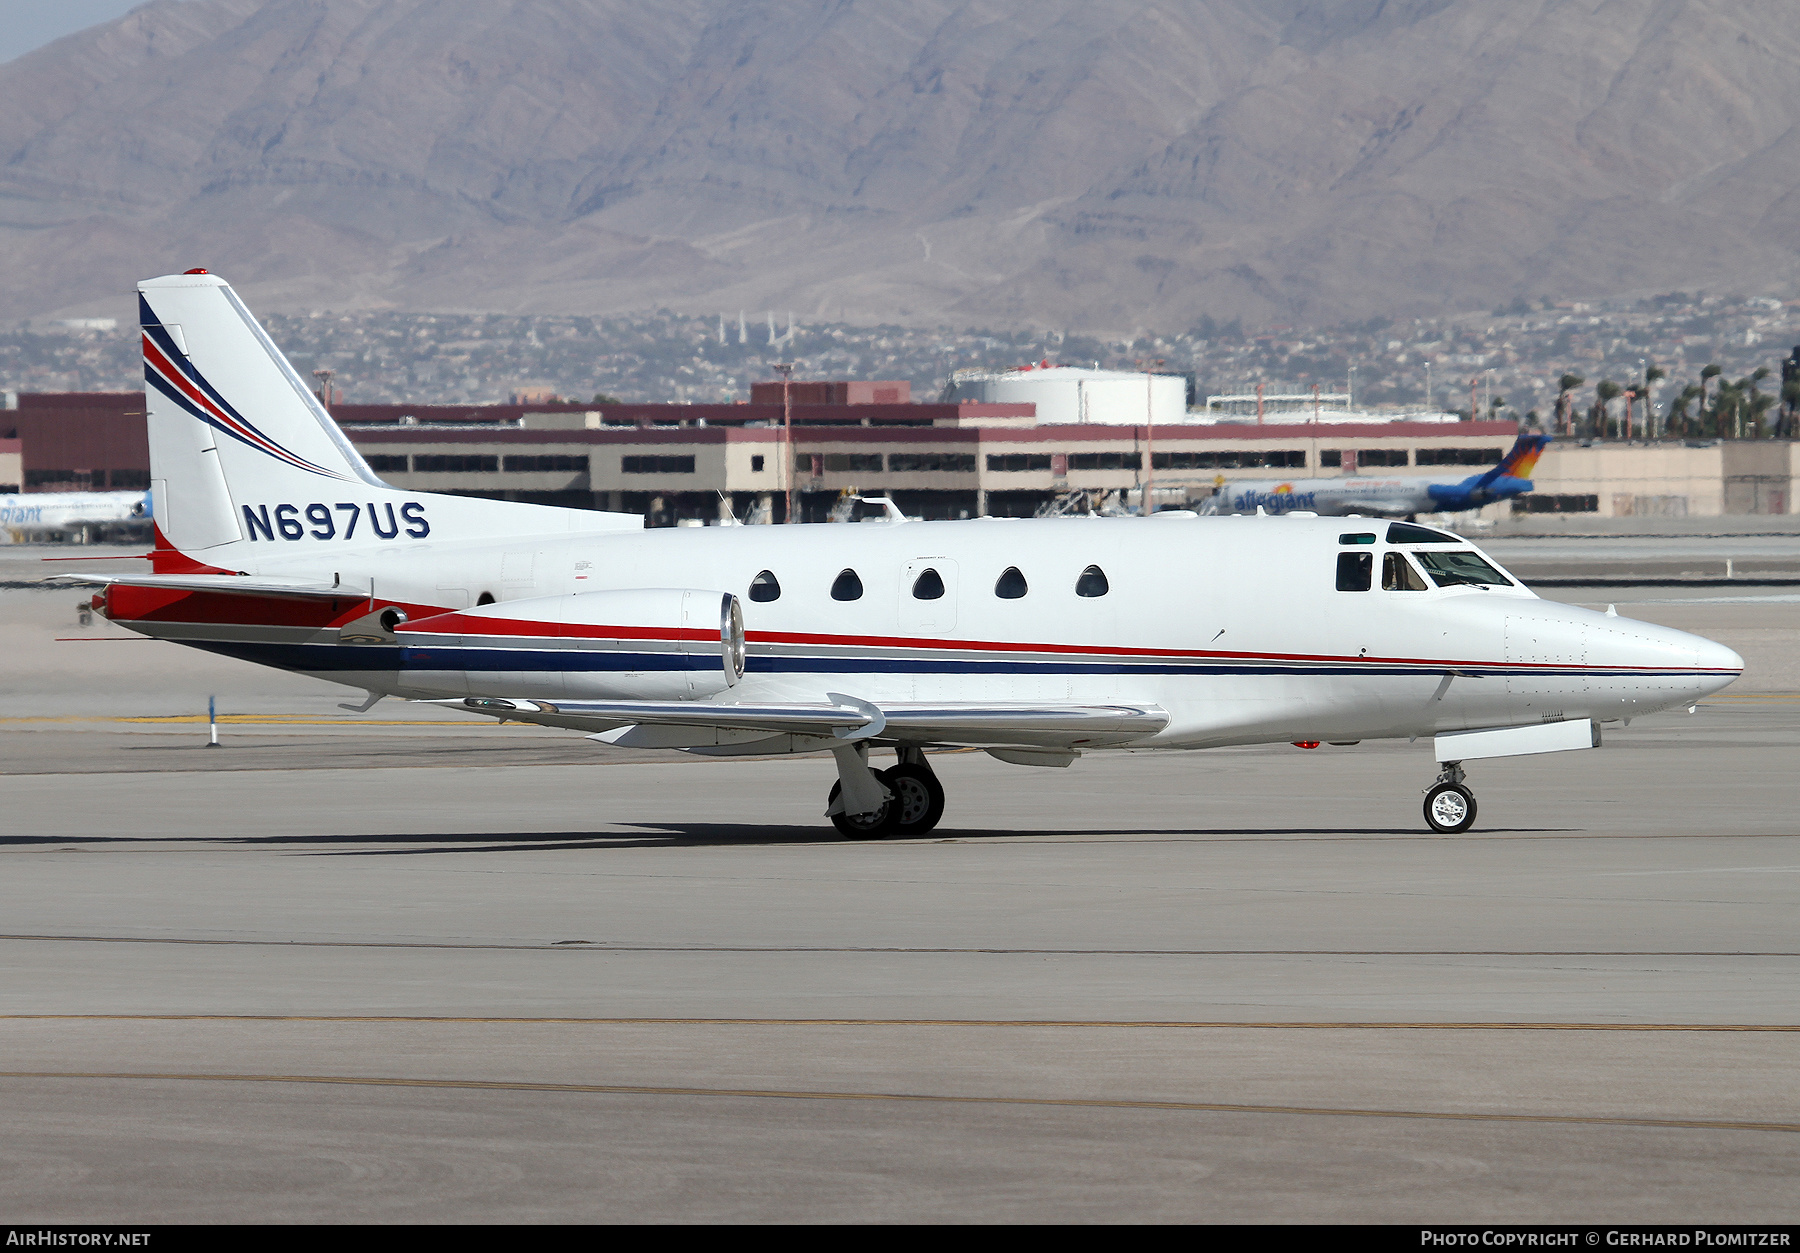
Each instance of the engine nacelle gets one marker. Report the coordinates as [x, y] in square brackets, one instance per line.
[644, 644]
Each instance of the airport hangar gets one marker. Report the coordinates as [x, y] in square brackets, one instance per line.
[685, 463]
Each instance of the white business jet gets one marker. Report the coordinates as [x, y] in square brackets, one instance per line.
[1038, 641]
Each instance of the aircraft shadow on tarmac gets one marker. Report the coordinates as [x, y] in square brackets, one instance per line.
[727, 835]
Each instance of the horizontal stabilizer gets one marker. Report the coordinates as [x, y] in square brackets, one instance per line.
[1052, 726]
[238, 584]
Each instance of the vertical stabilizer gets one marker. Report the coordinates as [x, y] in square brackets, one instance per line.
[241, 451]
[230, 421]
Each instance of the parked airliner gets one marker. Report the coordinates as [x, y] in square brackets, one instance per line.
[1036, 640]
[1391, 495]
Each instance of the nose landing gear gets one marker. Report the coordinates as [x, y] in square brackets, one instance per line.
[1449, 806]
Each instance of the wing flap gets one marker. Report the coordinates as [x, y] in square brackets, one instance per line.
[1051, 726]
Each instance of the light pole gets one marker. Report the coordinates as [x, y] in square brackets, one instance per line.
[1149, 368]
[324, 392]
[786, 370]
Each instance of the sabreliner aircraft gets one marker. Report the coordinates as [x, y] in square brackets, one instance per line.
[1035, 640]
[1394, 496]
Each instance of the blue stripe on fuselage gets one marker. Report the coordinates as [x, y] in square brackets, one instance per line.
[324, 658]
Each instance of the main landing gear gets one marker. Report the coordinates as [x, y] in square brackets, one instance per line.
[913, 804]
[1449, 806]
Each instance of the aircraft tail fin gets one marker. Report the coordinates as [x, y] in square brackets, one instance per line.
[1520, 460]
[242, 451]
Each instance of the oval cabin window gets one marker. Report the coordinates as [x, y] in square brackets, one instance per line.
[1010, 585]
[846, 586]
[928, 586]
[1092, 582]
[765, 586]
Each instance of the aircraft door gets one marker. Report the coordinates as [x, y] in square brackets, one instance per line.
[928, 596]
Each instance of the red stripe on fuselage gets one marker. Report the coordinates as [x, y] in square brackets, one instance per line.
[463, 624]
[467, 624]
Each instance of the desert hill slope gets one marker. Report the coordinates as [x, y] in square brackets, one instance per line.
[1096, 164]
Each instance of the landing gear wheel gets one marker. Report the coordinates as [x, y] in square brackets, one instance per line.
[1449, 808]
[918, 801]
[875, 825]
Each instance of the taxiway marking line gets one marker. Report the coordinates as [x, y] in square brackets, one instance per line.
[585, 946]
[910, 1022]
[1201, 1107]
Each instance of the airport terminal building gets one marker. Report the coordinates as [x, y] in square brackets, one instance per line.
[689, 464]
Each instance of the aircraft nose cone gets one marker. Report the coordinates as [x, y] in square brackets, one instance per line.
[1722, 664]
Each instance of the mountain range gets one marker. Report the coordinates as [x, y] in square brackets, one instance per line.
[1096, 165]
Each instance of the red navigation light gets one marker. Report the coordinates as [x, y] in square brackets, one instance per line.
[193, 271]
[1306, 743]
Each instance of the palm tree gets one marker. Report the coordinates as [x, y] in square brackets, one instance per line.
[1760, 404]
[1605, 392]
[1707, 375]
[1653, 374]
[1756, 400]
[1679, 422]
[1726, 401]
[1565, 385]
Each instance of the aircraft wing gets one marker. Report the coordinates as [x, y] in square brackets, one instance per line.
[241, 584]
[1048, 726]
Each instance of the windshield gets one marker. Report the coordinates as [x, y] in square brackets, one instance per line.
[1447, 569]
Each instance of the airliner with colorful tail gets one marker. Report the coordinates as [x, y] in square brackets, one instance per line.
[1388, 496]
[1038, 641]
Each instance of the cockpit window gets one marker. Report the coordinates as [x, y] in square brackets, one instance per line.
[1407, 533]
[1447, 569]
[1398, 575]
[1355, 571]
[765, 586]
[847, 586]
[1360, 537]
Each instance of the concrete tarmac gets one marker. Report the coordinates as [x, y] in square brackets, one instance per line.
[380, 968]
[1236, 987]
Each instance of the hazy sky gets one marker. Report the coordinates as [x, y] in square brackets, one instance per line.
[28, 24]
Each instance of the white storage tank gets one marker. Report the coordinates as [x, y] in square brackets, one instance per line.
[1067, 395]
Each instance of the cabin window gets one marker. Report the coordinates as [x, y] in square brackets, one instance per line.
[765, 586]
[1011, 584]
[846, 586]
[1360, 537]
[486, 598]
[1407, 533]
[1092, 582]
[1398, 575]
[928, 586]
[1449, 569]
[1355, 571]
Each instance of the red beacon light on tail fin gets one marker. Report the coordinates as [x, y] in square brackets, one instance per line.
[193, 271]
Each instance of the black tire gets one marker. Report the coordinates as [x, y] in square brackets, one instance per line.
[870, 826]
[1449, 809]
[918, 801]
